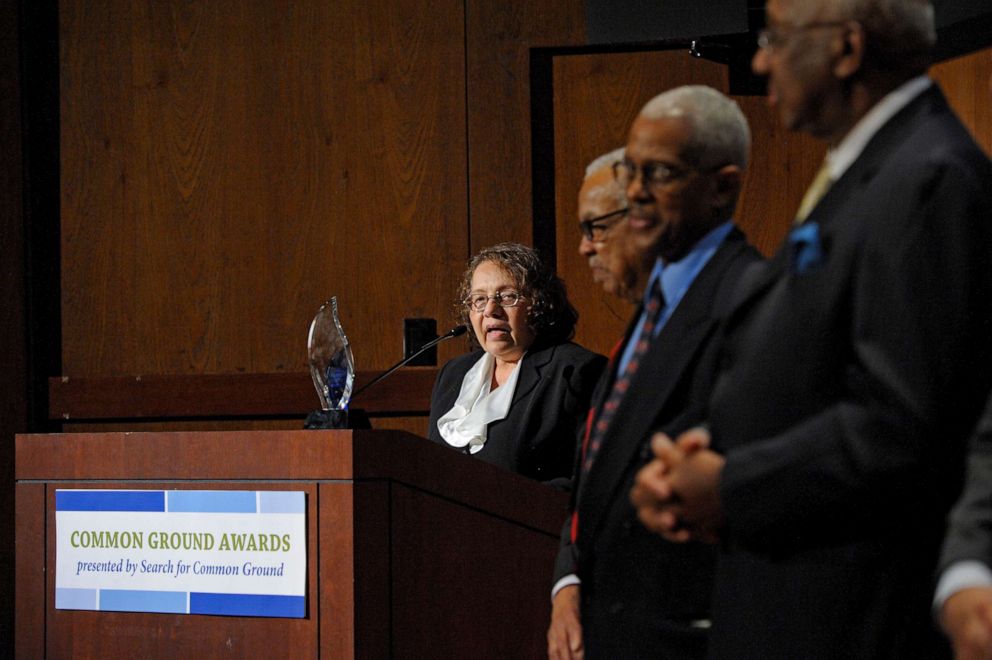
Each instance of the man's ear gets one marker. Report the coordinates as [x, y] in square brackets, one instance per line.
[852, 51]
[728, 181]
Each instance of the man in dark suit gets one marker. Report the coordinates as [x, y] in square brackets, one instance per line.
[622, 592]
[854, 366]
[964, 593]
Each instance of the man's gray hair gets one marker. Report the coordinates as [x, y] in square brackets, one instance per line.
[606, 160]
[900, 33]
[719, 134]
[611, 187]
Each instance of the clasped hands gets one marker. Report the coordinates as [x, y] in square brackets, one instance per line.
[677, 493]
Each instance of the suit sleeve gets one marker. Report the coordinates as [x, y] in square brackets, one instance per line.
[575, 406]
[970, 533]
[436, 403]
[914, 377]
[566, 562]
[581, 389]
[585, 377]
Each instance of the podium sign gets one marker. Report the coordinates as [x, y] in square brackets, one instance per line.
[237, 553]
[407, 542]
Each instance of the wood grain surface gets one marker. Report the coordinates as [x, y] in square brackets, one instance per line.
[228, 166]
[500, 35]
[406, 391]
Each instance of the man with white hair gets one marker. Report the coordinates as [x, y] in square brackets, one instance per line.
[854, 367]
[620, 260]
[617, 260]
[621, 591]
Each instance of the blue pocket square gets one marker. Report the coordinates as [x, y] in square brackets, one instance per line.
[805, 247]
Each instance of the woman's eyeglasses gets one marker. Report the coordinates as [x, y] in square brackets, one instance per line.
[478, 301]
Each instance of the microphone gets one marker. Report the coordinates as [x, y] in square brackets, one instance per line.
[456, 331]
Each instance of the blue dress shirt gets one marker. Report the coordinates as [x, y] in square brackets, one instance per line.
[676, 278]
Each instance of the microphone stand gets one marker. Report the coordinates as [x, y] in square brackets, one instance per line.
[454, 332]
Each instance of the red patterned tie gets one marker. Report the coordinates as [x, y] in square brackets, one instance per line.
[652, 310]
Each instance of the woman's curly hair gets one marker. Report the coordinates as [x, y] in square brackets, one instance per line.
[551, 317]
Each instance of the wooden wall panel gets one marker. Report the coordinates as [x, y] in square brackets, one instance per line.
[967, 82]
[597, 97]
[229, 165]
[499, 36]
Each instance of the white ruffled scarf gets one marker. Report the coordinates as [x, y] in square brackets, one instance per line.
[477, 406]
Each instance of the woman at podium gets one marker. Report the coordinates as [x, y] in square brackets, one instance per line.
[520, 400]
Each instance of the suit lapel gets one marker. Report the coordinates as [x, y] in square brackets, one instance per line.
[855, 179]
[661, 371]
[879, 148]
[529, 378]
[764, 275]
[757, 279]
[530, 373]
[453, 381]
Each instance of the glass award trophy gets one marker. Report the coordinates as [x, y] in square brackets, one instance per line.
[332, 368]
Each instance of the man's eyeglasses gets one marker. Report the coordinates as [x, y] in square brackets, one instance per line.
[653, 174]
[479, 301]
[595, 229]
[772, 38]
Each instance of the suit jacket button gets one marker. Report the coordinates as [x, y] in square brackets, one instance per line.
[616, 608]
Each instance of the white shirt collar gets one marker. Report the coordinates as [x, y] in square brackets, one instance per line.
[844, 154]
[477, 406]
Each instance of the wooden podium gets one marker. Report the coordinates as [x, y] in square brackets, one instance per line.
[414, 550]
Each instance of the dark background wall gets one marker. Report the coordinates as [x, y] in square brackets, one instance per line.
[184, 183]
[13, 340]
[951, 12]
[620, 21]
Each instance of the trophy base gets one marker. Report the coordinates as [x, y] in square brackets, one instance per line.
[337, 419]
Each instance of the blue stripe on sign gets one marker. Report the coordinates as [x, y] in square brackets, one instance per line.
[75, 599]
[109, 500]
[281, 502]
[212, 501]
[120, 600]
[247, 605]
